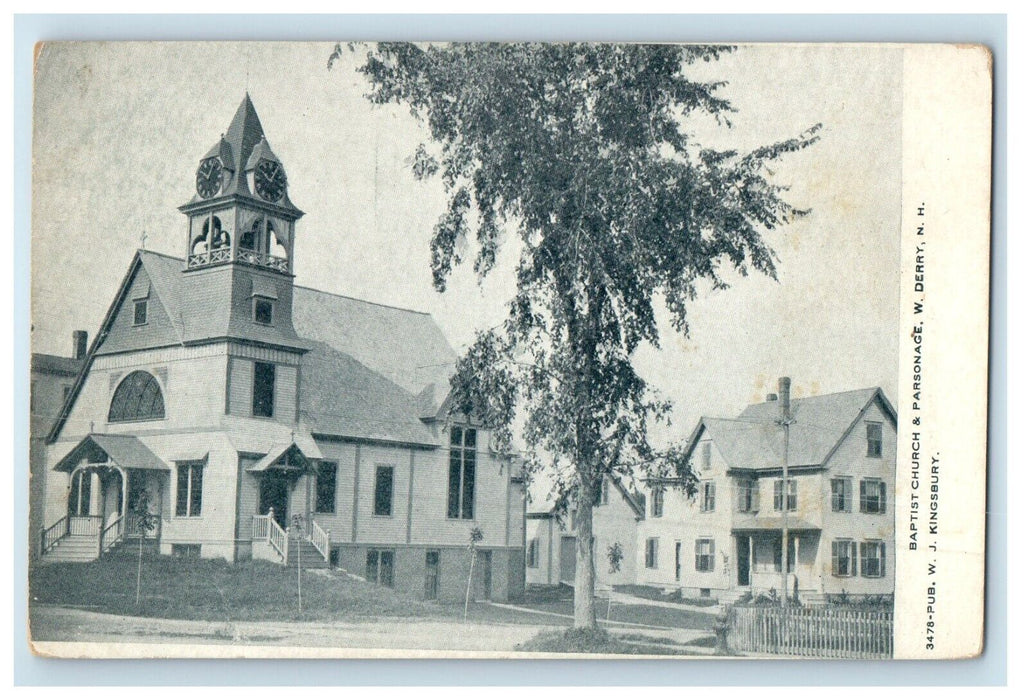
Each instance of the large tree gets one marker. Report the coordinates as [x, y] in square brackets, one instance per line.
[582, 152]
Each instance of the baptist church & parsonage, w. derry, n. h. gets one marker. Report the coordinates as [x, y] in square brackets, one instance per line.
[246, 406]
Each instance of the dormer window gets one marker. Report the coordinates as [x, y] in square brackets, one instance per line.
[263, 310]
[139, 311]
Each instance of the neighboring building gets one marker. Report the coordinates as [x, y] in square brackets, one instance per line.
[244, 405]
[550, 555]
[727, 539]
[52, 379]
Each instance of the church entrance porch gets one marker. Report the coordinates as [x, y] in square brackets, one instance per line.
[109, 477]
[283, 529]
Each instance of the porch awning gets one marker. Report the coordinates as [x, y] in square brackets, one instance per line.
[125, 451]
[293, 456]
[773, 524]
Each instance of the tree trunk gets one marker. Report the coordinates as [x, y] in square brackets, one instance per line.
[585, 570]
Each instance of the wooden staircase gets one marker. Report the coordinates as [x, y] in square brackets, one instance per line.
[310, 557]
[73, 548]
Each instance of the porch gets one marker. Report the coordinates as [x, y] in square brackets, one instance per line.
[759, 560]
[115, 492]
[284, 529]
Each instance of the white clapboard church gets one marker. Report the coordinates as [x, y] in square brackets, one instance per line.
[267, 420]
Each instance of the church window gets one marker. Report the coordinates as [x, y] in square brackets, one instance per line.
[189, 489]
[263, 310]
[139, 312]
[263, 389]
[460, 502]
[138, 397]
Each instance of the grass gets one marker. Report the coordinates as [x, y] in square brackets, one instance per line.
[597, 641]
[212, 589]
[675, 596]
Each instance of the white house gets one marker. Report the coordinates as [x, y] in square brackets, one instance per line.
[726, 540]
[550, 539]
[245, 406]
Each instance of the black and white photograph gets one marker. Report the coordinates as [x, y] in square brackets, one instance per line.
[498, 350]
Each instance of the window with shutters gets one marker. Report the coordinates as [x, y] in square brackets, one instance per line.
[872, 559]
[705, 554]
[791, 498]
[872, 496]
[844, 557]
[707, 499]
[842, 496]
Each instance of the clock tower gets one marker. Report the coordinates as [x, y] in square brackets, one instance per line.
[241, 211]
[239, 239]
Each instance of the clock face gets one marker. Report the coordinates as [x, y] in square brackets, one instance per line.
[269, 179]
[208, 178]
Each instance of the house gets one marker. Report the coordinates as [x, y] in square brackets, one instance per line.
[726, 540]
[51, 380]
[262, 419]
[550, 555]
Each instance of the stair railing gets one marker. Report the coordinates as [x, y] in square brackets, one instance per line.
[278, 538]
[320, 539]
[266, 529]
[112, 534]
[50, 536]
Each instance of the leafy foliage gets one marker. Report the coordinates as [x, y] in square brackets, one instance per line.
[579, 153]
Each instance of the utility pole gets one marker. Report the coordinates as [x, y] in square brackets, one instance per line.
[786, 421]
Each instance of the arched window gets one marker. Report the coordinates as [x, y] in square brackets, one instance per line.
[138, 397]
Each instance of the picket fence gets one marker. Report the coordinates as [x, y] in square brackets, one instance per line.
[823, 632]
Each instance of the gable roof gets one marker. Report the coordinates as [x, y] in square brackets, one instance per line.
[404, 346]
[546, 506]
[373, 371]
[341, 397]
[126, 451]
[755, 439]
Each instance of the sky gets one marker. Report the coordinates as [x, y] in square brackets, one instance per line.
[119, 129]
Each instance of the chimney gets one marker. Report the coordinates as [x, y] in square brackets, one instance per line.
[78, 339]
[783, 391]
[772, 397]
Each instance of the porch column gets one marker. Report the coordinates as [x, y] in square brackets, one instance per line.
[749, 544]
[796, 563]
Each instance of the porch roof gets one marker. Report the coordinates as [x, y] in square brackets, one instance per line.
[773, 524]
[125, 451]
[282, 449]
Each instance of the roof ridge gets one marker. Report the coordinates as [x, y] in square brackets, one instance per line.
[159, 254]
[364, 301]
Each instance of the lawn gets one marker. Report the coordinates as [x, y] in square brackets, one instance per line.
[561, 600]
[212, 589]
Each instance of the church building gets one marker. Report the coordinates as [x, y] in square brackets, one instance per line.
[261, 419]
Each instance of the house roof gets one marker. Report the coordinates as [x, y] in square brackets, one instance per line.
[541, 501]
[56, 364]
[755, 439]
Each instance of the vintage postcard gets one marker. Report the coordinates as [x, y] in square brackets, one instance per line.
[509, 350]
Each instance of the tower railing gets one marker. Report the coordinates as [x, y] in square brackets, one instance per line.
[249, 257]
